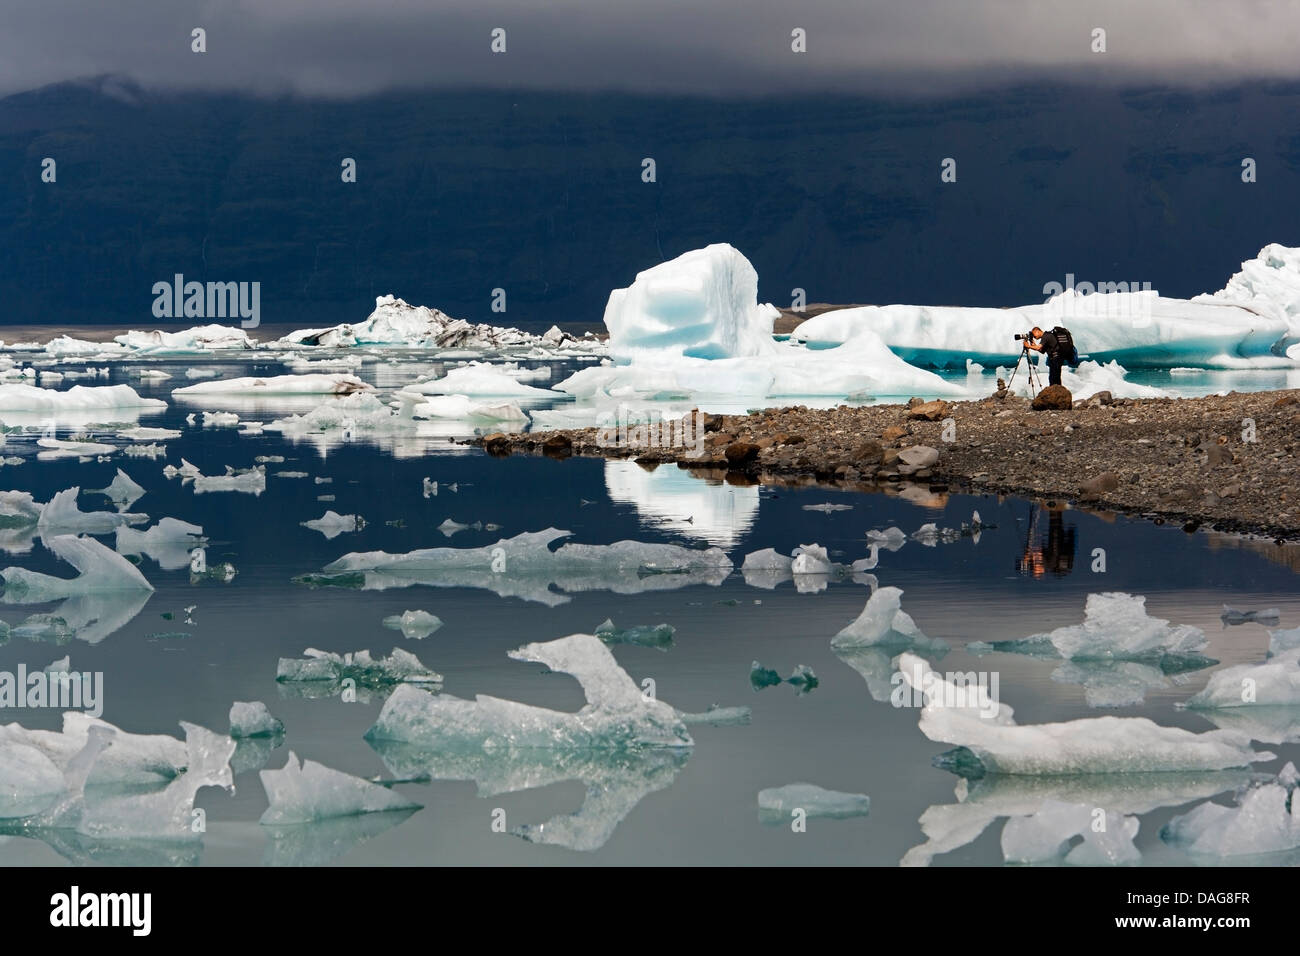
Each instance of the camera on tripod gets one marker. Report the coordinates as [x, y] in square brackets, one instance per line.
[1027, 337]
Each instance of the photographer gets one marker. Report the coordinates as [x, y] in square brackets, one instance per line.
[1051, 345]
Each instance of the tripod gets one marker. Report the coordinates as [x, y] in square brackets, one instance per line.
[1035, 380]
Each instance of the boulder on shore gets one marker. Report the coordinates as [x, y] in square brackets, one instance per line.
[1054, 398]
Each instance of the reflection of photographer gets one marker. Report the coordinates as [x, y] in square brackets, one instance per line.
[1053, 553]
[1057, 345]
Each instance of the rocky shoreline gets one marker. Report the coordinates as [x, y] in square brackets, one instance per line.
[1226, 462]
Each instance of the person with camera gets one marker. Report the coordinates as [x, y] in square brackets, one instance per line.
[1057, 345]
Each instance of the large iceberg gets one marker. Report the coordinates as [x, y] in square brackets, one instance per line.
[79, 399]
[199, 338]
[318, 384]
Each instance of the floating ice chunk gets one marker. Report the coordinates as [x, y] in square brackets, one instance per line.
[134, 758]
[659, 636]
[990, 741]
[414, 625]
[29, 781]
[307, 791]
[1278, 641]
[1266, 819]
[398, 667]
[524, 566]
[461, 408]
[811, 559]
[479, 378]
[56, 448]
[187, 470]
[776, 804]
[1046, 834]
[828, 508]
[891, 539]
[101, 570]
[145, 451]
[360, 411]
[1116, 627]
[250, 482]
[717, 716]
[332, 524]
[930, 535]
[1275, 682]
[220, 419]
[1232, 617]
[78, 398]
[194, 373]
[766, 568]
[449, 527]
[149, 374]
[319, 384]
[169, 542]
[617, 715]
[122, 491]
[62, 516]
[201, 337]
[253, 719]
[883, 623]
[430, 488]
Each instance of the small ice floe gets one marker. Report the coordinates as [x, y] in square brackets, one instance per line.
[1049, 834]
[884, 623]
[221, 573]
[122, 491]
[777, 804]
[525, 566]
[269, 460]
[253, 719]
[187, 471]
[828, 508]
[291, 474]
[323, 481]
[101, 570]
[220, 419]
[801, 678]
[809, 566]
[56, 448]
[717, 716]
[332, 524]
[1232, 617]
[480, 379]
[1266, 819]
[319, 384]
[18, 397]
[1273, 683]
[325, 498]
[659, 636]
[617, 715]
[459, 408]
[144, 433]
[251, 481]
[50, 378]
[149, 374]
[169, 542]
[449, 527]
[145, 451]
[304, 792]
[930, 535]
[414, 625]
[62, 516]
[988, 740]
[196, 373]
[399, 667]
[891, 539]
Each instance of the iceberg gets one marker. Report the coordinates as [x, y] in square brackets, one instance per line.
[479, 379]
[332, 524]
[199, 338]
[304, 792]
[400, 667]
[658, 636]
[990, 741]
[616, 717]
[56, 448]
[249, 482]
[1275, 682]
[1278, 641]
[1046, 835]
[414, 625]
[253, 719]
[101, 570]
[122, 491]
[776, 804]
[77, 399]
[883, 623]
[524, 566]
[62, 516]
[169, 542]
[1266, 819]
[1267, 285]
[1116, 627]
[319, 384]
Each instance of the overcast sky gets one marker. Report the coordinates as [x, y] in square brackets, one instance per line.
[355, 47]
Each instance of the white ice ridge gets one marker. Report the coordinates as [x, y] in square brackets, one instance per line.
[1273, 683]
[319, 384]
[101, 570]
[122, 491]
[253, 719]
[524, 566]
[776, 804]
[884, 623]
[968, 717]
[79, 398]
[1266, 819]
[1248, 323]
[169, 542]
[1046, 834]
[315, 665]
[1116, 626]
[394, 322]
[199, 338]
[616, 717]
[306, 792]
[62, 516]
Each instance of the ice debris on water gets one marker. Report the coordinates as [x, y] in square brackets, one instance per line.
[883, 623]
[809, 566]
[930, 535]
[319, 384]
[1279, 641]
[101, 570]
[659, 636]
[398, 667]
[169, 542]
[220, 419]
[62, 516]
[777, 804]
[332, 524]
[988, 740]
[306, 791]
[253, 719]
[828, 508]
[891, 539]
[449, 527]
[56, 448]
[122, 491]
[1275, 683]
[801, 678]
[145, 451]
[718, 716]
[414, 625]
[1266, 819]
[1232, 617]
[251, 481]
[1105, 838]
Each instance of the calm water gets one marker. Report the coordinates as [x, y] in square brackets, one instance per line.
[700, 808]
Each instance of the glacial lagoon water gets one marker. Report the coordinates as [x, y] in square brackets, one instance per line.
[162, 666]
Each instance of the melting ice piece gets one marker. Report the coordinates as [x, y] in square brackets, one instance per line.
[142, 433]
[252, 481]
[828, 508]
[524, 566]
[659, 636]
[930, 535]
[29, 781]
[1232, 617]
[1046, 835]
[398, 667]
[320, 384]
[332, 524]
[1279, 641]
[1266, 819]
[62, 516]
[776, 804]
[891, 539]
[1275, 682]
[1112, 683]
[617, 715]
[56, 448]
[883, 623]
[1116, 626]
[122, 491]
[990, 741]
[79, 398]
[717, 716]
[101, 570]
[414, 625]
[304, 792]
[766, 568]
[253, 719]
[169, 542]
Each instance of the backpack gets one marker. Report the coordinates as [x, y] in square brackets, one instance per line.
[1065, 346]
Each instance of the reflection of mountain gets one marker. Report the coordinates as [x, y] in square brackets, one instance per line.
[670, 499]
